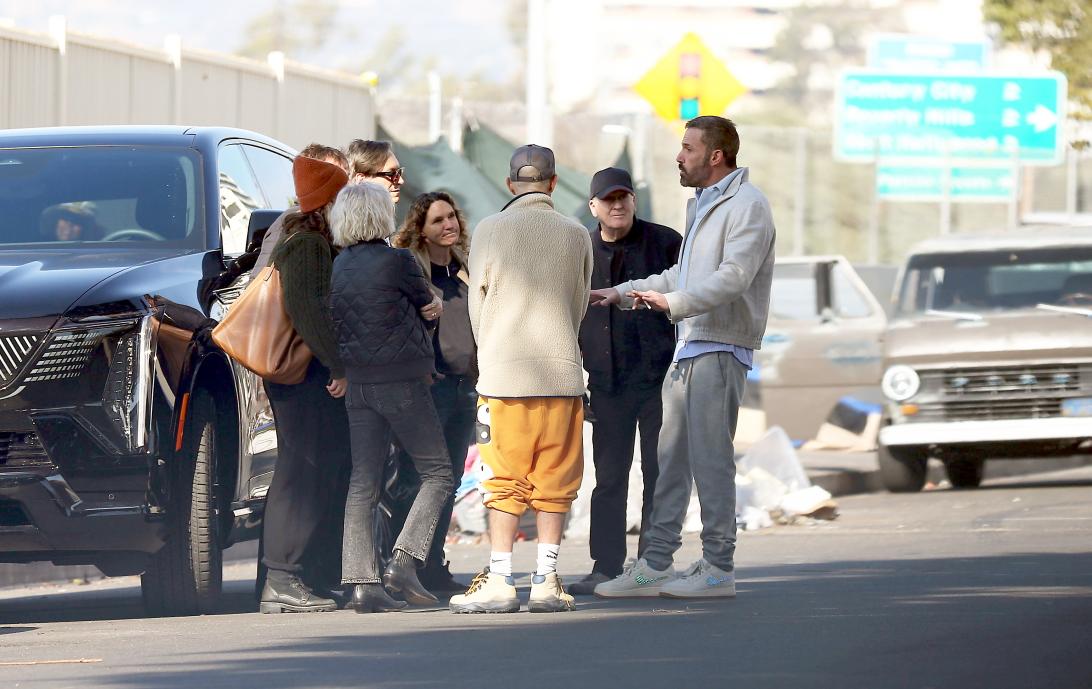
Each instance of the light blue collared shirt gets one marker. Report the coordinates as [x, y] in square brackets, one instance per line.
[704, 199]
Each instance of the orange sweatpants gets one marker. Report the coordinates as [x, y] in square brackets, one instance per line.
[532, 452]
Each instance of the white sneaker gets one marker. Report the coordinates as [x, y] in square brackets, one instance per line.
[701, 580]
[487, 593]
[637, 580]
[548, 595]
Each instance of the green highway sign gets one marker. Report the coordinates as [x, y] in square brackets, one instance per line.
[983, 117]
[912, 53]
[928, 182]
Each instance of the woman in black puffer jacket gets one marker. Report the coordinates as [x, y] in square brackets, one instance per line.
[376, 297]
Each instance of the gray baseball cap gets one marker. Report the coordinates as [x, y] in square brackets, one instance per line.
[540, 158]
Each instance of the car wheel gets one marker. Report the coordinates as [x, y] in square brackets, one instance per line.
[965, 472]
[185, 576]
[902, 469]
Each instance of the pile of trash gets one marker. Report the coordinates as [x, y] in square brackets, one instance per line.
[771, 488]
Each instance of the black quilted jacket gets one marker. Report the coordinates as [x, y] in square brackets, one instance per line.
[376, 295]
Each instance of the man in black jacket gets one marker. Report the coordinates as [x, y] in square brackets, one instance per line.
[626, 354]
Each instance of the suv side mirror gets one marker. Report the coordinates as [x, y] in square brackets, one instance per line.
[260, 221]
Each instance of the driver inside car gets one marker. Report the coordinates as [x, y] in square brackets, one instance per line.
[71, 222]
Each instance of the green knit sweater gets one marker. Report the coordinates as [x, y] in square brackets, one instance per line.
[304, 260]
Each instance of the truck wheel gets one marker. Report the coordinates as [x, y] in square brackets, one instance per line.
[902, 469]
[185, 576]
[965, 472]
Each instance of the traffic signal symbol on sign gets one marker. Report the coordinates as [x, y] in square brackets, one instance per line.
[689, 81]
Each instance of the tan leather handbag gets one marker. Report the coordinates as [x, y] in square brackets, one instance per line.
[258, 333]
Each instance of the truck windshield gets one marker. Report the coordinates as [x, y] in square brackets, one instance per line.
[997, 280]
[68, 196]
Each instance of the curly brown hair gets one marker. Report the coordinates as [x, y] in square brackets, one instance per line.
[412, 236]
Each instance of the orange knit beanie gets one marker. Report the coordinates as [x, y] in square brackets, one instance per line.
[317, 182]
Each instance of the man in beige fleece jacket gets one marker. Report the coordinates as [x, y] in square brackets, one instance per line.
[530, 272]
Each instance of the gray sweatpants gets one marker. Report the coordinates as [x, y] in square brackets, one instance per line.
[701, 404]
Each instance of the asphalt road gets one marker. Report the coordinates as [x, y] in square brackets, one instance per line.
[987, 588]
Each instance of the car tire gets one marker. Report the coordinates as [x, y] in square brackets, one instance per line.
[965, 472]
[185, 577]
[902, 469]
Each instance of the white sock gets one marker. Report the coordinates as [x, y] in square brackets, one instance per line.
[547, 558]
[500, 563]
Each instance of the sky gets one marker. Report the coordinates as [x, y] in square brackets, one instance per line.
[439, 28]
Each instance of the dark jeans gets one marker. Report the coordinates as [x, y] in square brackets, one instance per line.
[617, 415]
[312, 453]
[455, 401]
[375, 412]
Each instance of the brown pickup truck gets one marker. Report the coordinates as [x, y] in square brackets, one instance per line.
[988, 354]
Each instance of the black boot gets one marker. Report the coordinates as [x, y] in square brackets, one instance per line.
[438, 578]
[374, 598]
[284, 592]
[401, 577]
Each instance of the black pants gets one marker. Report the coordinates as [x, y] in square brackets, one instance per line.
[376, 412]
[305, 503]
[617, 415]
[455, 401]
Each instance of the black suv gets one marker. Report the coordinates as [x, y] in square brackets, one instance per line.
[125, 441]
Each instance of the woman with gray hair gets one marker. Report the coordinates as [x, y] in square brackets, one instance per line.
[375, 299]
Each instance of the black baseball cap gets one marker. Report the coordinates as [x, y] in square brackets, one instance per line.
[609, 180]
[538, 157]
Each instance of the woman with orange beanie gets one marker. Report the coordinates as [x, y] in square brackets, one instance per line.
[312, 427]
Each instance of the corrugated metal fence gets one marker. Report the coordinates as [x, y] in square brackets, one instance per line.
[72, 79]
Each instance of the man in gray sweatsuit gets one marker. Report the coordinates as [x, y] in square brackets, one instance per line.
[718, 296]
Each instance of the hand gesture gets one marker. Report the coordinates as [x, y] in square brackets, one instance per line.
[649, 300]
[432, 311]
[337, 387]
[604, 297]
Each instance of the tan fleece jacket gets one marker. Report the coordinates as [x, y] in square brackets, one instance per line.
[530, 273]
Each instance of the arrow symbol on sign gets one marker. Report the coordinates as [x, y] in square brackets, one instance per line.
[1042, 119]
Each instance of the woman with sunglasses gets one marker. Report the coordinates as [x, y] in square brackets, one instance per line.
[374, 161]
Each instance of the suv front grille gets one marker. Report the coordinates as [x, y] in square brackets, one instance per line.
[65, 357]
[1000, 392]
[14, 352]
[21, 450]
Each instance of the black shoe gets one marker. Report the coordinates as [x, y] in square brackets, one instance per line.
[284, 592]
[374, 598]
[402, 578]
[438, 578]
[341, 595]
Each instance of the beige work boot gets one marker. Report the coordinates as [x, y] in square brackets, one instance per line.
[487, 593]
[547, 594]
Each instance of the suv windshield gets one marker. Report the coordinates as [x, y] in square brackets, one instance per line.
[997, 280]
[67, 196]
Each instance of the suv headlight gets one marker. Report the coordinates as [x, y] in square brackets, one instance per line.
[900, 383]
[127, 396]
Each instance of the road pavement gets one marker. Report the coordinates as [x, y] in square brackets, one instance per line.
[986, 588]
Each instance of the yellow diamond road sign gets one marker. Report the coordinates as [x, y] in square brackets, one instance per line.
[689, 81]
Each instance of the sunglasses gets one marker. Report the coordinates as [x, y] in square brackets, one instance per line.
[392, 176]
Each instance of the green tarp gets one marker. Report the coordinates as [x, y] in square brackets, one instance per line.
[477, 178]
[490, 153]
[436, 167]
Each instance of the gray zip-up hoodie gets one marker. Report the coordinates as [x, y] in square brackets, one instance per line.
[729, 271]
